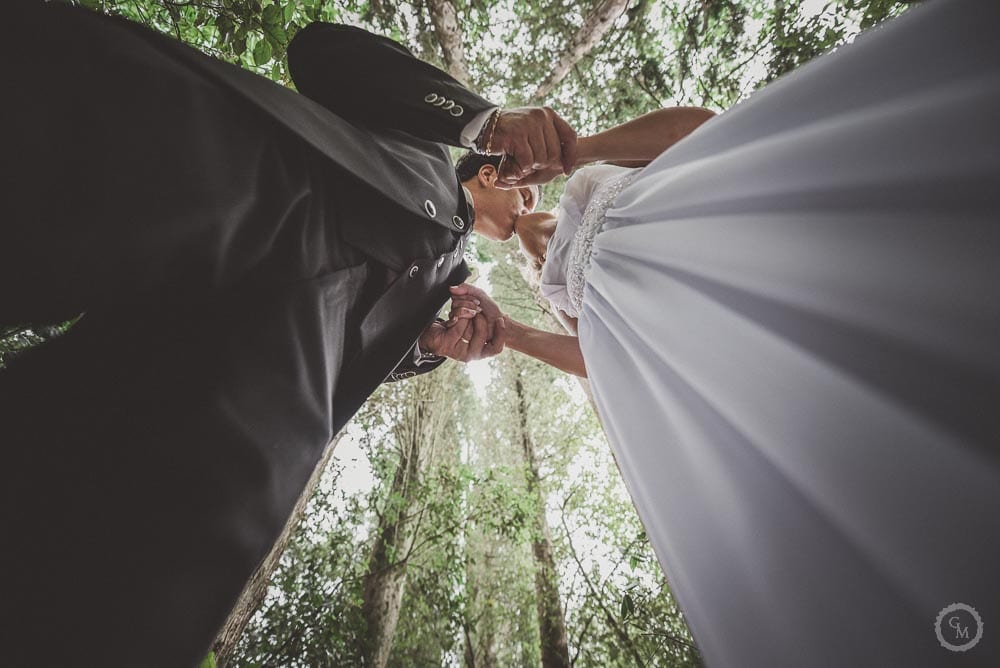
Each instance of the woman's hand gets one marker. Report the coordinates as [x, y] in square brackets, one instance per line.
[559, 350]
[510, 174]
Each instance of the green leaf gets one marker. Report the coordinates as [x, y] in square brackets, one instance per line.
[208, 661]
[225, 26]
[261, 52]
[276, 36]
[91, 4]
[240, 45]
[272, 16]
[628, 606]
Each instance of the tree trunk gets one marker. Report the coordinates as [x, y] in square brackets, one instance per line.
[386, 577]
[551, 623]
[479, 627]
[449, 36]
[383, 598]
[256, 589]
[595, 26]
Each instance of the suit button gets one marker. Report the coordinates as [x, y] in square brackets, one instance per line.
[448, 105]
[457, 110]
[430, 208]
[413, 270]
[440, 101]
[431, 98]
[458, 222]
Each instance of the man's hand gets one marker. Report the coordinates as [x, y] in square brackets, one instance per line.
[535, 139]
[465, 339]
[475, 330]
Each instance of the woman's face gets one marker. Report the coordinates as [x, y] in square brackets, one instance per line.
[533, 233]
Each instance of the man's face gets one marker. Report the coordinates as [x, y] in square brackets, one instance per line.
[497, 210]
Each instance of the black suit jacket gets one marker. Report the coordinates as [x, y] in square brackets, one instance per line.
[252, 264]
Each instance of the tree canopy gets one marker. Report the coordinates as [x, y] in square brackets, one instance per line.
[596, 62]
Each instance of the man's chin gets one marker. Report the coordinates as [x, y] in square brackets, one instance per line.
[512, 230]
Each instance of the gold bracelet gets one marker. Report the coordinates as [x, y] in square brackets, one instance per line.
[492, 123]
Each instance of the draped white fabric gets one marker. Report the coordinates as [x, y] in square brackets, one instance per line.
[792, 327]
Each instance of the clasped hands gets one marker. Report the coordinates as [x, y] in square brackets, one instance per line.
[537, 146]
[476, 328]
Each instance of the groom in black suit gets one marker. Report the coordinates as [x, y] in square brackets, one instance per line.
[252, 263]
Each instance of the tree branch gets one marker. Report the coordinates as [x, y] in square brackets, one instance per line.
[619, 631]
[449, 36]
[595, 26]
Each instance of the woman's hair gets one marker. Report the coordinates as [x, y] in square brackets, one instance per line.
[532, 270]
[470, 164]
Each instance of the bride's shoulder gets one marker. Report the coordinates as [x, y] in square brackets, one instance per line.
[577, 192]
[582, 183]
[601, 171]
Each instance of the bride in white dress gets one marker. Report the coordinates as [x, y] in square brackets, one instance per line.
[791, 323]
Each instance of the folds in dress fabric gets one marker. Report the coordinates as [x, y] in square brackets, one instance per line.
[802, 297]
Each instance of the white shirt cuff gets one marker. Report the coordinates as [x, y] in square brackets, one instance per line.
[474, 127]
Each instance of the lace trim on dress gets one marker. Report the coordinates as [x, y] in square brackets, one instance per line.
[583, 241]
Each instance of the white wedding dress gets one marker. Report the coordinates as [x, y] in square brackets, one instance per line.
[791, 322]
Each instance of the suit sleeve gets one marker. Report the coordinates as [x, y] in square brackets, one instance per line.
[409, 367]
[371, 80]
[413, 364]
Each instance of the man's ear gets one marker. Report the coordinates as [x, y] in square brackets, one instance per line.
[487, 176]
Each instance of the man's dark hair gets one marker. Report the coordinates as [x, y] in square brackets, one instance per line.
[470, 164]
